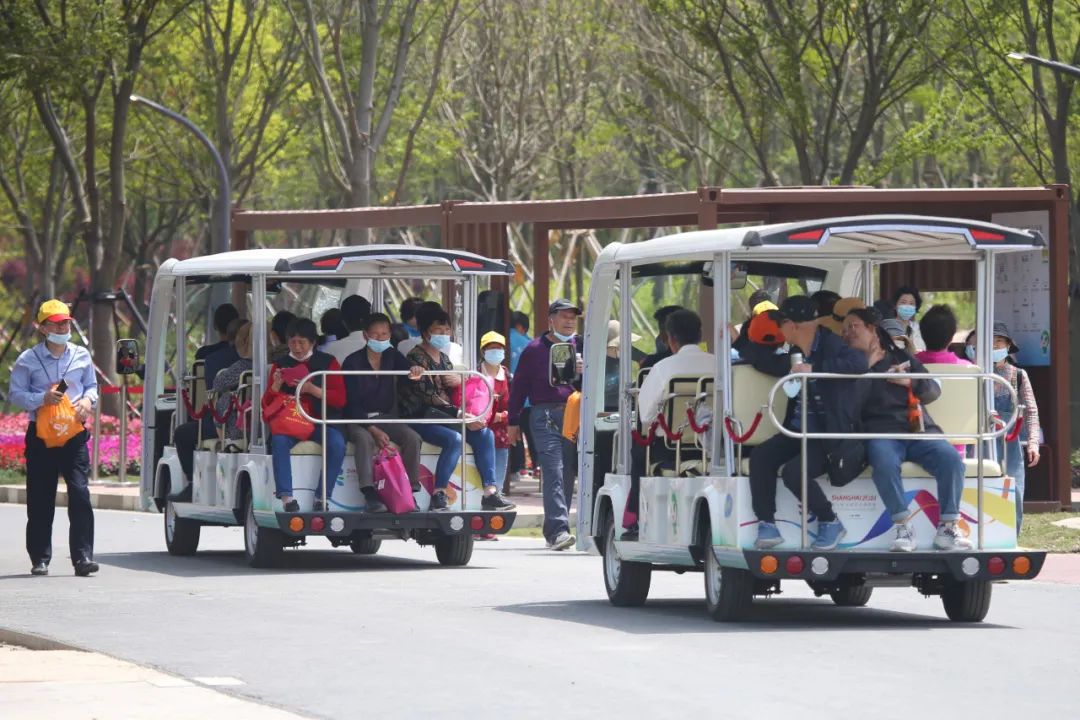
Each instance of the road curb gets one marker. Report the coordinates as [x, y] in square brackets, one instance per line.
[34, 642]
[101, 501]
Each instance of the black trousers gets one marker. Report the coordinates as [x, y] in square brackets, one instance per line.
[780, 454]
[184, 439]
[43, 468]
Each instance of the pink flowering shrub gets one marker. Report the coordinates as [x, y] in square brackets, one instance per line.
[13, 444]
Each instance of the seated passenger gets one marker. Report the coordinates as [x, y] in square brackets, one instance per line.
[302, 336]
[830, 409]
[226, 381]
[374, 397]
[429, 398]
[279, 327]
[407, 327]
[894, 406]
[354, 313]
[938, 327]
[908, 302]
[894, 330]
[683, 332]
[223, 315]
[834, 321]
[611, 366]
[428, 309]
[332, 327]
[826, 300]
[663, 350]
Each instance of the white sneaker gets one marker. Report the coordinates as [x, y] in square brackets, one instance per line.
[562, 541]
[949, 537]
[903, 539]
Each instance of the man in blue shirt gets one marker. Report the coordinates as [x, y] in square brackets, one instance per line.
[519, 337]
[41, 377]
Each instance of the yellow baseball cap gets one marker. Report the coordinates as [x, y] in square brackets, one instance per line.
[53, 311]
[492, 337]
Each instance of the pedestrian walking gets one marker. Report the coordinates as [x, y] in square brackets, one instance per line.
[55, 378]
[532, 383]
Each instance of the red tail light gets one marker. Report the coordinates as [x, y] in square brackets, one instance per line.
[317, 524]
[995, 565]
[807, 235]
[794, 565]
[477, 522]
[985, 236]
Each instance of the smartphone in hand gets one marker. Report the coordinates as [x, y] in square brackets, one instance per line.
[62, 386]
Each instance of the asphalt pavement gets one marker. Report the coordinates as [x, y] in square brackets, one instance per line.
[527, 633]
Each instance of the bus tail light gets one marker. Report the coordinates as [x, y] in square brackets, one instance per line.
[768, 564]
[794, 565]
[318, 524]
[498, 522]
[476, 522]
[296, 524]
[1021, 565]
[995, 565]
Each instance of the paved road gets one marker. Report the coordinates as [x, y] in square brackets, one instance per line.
[529, 634]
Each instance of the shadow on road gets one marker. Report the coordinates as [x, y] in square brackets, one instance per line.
[222, 563]
[773, 615]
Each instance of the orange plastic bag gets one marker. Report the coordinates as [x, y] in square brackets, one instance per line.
[56, 424]
[572, 417]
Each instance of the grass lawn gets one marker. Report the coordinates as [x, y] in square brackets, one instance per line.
[12, 477]
[526, 532]
[1040, 533]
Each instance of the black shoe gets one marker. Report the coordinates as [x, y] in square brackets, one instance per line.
[292, 506]
[84, 568]
[372, 503]
[631, 533]
[439, 501]
[317, 506]
[495, 501]
[39, 568]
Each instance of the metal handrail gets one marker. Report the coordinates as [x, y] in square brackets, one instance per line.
[323, 422]
[979, 437]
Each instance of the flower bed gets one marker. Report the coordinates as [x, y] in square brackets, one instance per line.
[13, 444]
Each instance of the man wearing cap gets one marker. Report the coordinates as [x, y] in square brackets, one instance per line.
[831, 411]
[35, 378]
[532, 382]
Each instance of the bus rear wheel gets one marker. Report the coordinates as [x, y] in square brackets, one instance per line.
[454, 550]
[627, 583]
[966, 601]
[263, 547]
[181, 534]
[729, 592]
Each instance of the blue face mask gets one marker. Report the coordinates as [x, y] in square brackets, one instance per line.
[413, 332]
[1000, 354]
[792, 388]
[561, 337]
[58, 339]
[494, 357]
[969, 350]
[440, 342]
[905, 312]
[379, 346]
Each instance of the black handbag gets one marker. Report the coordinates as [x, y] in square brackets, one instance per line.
[439, 412]
[845, 461]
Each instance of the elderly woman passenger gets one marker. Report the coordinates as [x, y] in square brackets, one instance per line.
[228, 380]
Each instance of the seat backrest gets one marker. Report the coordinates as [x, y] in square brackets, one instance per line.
[682, 389]
[198, 384]
[749, 391]
[957, 408]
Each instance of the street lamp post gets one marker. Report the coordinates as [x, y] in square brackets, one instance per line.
[1051, 64]
[218, 292]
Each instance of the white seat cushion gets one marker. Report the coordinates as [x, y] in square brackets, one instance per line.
[911, 470]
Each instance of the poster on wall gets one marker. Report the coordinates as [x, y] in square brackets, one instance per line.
[1022, 289]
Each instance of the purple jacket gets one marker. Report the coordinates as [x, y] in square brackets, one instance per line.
[532, 381]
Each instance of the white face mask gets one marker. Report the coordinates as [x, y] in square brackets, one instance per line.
[305, 357]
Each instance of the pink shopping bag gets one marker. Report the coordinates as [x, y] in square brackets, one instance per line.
[478, 394]
[392, 482]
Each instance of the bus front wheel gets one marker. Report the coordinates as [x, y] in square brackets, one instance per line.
[729, 592]
[627, 583]
[966, 601]
[263, 547]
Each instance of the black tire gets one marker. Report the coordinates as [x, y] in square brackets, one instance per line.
[852, 595]
[263, 547]
[454, 550]
[366, 546]
[181, 534]
[729, 592]
[627, 583]
[966, 601]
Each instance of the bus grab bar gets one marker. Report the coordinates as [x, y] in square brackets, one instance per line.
[980, 437]
[323, 422]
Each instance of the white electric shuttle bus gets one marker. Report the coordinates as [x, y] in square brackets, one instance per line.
[232, 482]
[695, 513]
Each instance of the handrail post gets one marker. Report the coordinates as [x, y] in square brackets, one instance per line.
[979, 453]
[464, 429]
[325, 480]
[804, 534]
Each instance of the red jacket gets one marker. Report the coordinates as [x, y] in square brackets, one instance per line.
[334, 386]
[501, 408]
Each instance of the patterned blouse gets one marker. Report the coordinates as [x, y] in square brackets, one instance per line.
[415, 397]
[225, 381]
